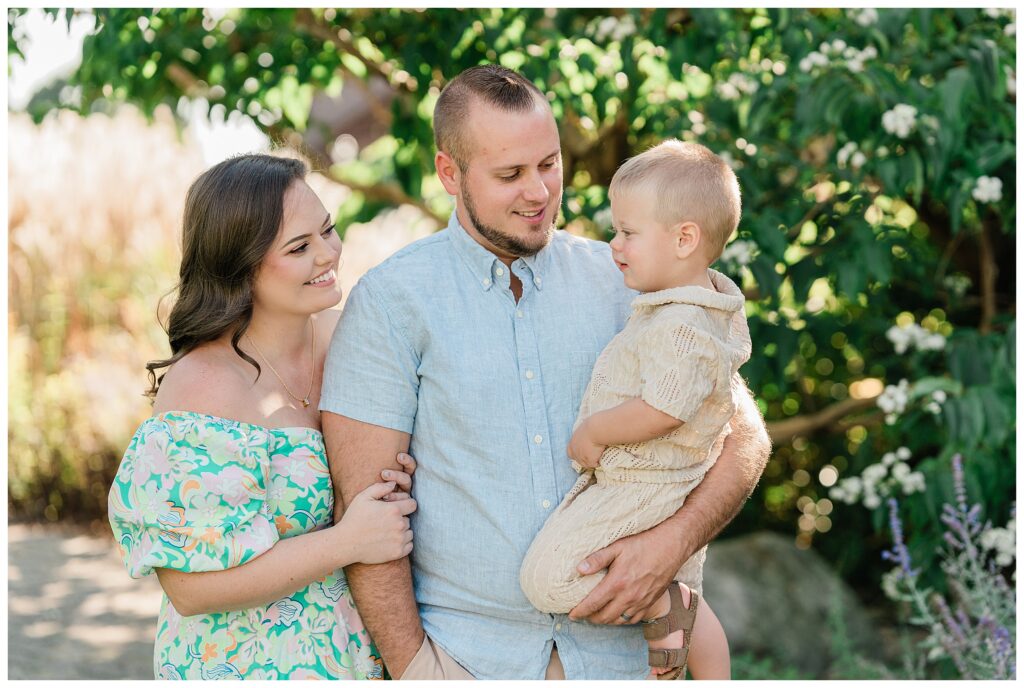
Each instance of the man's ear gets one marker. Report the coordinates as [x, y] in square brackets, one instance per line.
[688, 236]
[448, 172]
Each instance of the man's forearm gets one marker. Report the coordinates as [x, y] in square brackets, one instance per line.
[383, 593]
[728, 484]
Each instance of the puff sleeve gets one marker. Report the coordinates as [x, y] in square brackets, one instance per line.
[191, 495]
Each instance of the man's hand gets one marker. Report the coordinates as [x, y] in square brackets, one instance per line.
[583, 449]
[640, 568]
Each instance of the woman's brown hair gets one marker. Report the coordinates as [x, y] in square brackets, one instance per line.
[233, 212]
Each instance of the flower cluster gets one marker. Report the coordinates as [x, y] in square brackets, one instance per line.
[893, 400]
[865, 16]
[836, 50]
[849, 154]
[913, 335]
[1002, 542]
[934, 405]
[988, 189]
[978, 634]
[737, 85]
[603, 218]
[900, 121]
[891, 475]
[740, 252]
[615, 28]
[957, 284]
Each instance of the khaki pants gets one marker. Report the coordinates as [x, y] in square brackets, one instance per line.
[431, 663]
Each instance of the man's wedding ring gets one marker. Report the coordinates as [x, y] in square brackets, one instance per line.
[626, 617]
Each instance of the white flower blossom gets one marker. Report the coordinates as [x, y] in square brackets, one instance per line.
[740, 252]
[903, 454]
[1010, 29]
[843, 154]
[988, 189]
[857, 160]
[1002, 541]
[603, 218]
[894, 399]
[872, 501]
[865, 16]
[888, 459]
[913, 335]
[1011, 80]
[900, 121]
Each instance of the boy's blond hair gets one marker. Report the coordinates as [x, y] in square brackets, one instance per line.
[690, 184]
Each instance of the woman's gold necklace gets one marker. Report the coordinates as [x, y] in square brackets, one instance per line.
[312, 373]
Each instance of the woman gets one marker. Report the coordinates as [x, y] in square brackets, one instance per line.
[225, 491]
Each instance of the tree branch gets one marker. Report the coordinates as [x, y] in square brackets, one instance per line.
[782, 431]
[988, 270]
[390, 193]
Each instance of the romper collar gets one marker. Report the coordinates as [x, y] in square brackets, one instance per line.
[728, 298]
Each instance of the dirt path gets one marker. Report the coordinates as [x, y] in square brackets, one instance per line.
[73, 612]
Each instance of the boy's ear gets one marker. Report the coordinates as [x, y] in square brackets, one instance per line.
[688, 236]
[448, 171]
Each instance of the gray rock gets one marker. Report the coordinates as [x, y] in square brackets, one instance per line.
[774, 599]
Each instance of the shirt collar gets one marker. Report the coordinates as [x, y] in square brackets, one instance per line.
[728, 296]
[483, 264]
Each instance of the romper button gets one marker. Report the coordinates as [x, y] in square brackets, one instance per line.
[537, 439]
[499, 272]
[529, 374]
[536, 280]
[519, 313]
[546, 504]
[486, 282]
[558, 627]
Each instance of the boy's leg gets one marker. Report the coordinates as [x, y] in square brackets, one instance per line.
[709, 649]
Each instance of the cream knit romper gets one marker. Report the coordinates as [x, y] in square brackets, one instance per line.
[679, 352]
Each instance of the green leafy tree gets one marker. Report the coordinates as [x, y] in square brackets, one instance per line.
[875, 150]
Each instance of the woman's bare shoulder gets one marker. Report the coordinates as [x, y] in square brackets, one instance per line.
[210, 379]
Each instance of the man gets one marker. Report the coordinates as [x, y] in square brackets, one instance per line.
[471, 349]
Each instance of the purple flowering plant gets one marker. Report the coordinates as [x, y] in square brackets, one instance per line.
[975, 629]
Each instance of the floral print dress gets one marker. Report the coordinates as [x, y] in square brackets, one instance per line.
[196, 492]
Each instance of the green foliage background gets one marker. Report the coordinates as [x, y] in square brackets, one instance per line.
[841, 252]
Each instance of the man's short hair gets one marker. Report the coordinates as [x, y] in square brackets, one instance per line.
[492, 84]
[691, 184]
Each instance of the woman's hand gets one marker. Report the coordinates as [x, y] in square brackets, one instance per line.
[375, 530]
[403, 478]
[583, 449]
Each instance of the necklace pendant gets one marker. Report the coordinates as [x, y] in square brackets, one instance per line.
[305, 403]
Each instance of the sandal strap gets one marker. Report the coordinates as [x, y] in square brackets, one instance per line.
[679, 617]
[670, 658]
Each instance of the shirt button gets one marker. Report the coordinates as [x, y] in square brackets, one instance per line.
[499, 272]
[558, 627]
[536, 280]
[546, 504]
[537, 439]
[487, 282]
[519, 313]
[529, 374]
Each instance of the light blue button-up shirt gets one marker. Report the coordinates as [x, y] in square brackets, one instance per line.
[432, 342]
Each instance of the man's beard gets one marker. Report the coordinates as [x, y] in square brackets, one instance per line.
[511, 245]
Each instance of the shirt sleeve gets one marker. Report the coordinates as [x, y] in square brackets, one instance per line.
[191, 499]
[370, 374]
[678, 364]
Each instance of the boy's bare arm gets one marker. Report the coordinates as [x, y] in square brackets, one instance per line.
[641, 566]
[383, 593]
[631, 421]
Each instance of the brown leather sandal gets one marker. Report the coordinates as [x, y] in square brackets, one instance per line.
[679, 618]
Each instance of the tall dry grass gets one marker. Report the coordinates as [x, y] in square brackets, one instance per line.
[94, 234]
[93, 215]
